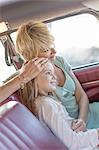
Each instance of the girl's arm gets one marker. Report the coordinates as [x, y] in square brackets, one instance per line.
[52, 115]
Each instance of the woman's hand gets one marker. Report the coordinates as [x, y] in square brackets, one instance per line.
[78, 125]
[31, 69]
[28, 71]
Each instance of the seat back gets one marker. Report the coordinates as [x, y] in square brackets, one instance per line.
[20, 129]
[13, 97]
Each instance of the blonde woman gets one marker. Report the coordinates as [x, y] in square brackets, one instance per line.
[50, 111]
[35, 40]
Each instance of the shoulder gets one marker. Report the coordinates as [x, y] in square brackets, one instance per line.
[44, 102]
[63, 63]
[60, 59]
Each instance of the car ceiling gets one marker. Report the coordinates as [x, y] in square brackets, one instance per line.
[20, 11]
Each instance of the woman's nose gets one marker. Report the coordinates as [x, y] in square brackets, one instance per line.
[53, 51]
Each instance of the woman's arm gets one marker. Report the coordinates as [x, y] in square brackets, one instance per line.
[83, 103]
[24, 75]
[55, 117]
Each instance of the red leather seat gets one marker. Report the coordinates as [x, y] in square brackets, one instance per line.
[21, 130]
[13, 97]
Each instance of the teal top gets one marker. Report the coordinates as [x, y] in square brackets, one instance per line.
[66, 95]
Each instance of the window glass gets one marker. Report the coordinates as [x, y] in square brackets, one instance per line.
[13, 36]
[5, 71]
[77, 39]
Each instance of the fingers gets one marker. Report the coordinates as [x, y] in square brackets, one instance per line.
[44, 62]
[32, 68]
[78, 125]
[36, 64]
[41, 61]
[37, 61]
[33, 60]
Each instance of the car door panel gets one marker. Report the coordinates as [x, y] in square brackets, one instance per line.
[89, 79]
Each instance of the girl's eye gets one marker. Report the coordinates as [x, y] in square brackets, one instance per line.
[48, 72]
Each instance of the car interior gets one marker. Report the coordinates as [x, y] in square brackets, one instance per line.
[19, 128]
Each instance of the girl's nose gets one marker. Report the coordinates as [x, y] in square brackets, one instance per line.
[54, 77]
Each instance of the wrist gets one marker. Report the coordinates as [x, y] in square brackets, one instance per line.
[82, 119]
[22, 81]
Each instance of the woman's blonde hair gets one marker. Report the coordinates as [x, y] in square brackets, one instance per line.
[31, 38]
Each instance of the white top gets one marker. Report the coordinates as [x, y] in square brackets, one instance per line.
[55, 116]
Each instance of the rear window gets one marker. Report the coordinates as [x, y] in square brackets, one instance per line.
[77, 39]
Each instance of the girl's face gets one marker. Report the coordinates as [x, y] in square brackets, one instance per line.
[46, 80]
[48, 53]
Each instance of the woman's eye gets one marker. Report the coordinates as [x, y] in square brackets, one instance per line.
[46, 50]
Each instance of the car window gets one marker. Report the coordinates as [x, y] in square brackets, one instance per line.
[5, 71]
[77, 39]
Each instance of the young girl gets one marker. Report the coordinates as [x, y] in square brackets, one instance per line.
[50, 111]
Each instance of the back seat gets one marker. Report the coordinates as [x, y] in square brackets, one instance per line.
[21, 130]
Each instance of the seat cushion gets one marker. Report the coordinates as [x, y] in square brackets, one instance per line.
[21, 130]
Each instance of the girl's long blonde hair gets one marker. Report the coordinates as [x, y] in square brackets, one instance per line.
[28, 95]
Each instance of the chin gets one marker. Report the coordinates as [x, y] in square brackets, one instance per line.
[53, 58]
[53, 89]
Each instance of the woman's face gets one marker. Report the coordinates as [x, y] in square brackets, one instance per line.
[48, 53]
[46, 80]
